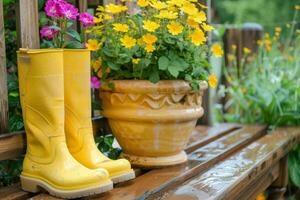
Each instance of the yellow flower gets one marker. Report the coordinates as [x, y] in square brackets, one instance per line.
[143, 3]
[97, 20]
[136, 60]
[200, 17]
[230, 57]
[128, 42]
[115, 9]
[150, 25]
[96, 64]
[93, 45]
[192, 23]
[107, 17]
[149, 48]
[121, 27]
[207, 27]
[189, 8]
[175, 2]
[88, 31]
[297, 7]
[234, 47]
[202, 6]
[217, 50]
[198, 37]
[175, 28]
[246, 50]
[212, 81]
[278, 29]
[140, 41]
[260, 197]
[167, 14]
[159, 5]
[149, 38]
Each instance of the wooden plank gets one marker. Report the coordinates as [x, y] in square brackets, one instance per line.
[159, 180]
[13, 145]
[203, 135]
[14, 192]
[3, 77]
[227, 179]
[28, 24]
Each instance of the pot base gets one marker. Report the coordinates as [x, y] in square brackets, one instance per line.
[156, 162]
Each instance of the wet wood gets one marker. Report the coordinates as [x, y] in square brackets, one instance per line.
[28, 24]
[227, 179]
[14, 192]
[12, 145]
[158, 180]
[278, 188]
[3, 77]
[234, 163]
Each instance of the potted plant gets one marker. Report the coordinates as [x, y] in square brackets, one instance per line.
[153, 69]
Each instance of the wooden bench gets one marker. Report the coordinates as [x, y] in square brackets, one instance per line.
[228, 161]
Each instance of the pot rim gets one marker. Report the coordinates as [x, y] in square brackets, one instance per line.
[145, 86]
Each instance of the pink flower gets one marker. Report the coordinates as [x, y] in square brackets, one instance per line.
[52, 8]
[68, 11]
[95, 83]
[48, 32]
[86, 19]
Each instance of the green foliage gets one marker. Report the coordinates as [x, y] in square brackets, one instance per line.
[146, 54]
[266, 89]
[267, 13]
[10, 171]
[105, 145]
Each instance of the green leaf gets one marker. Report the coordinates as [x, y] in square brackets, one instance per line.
[74, 45]
[154, 76]
[163, 63]
[113, 66]
[74, 34]
[174, 70]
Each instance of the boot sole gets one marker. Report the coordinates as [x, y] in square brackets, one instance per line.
[123, 177]
[35, 185]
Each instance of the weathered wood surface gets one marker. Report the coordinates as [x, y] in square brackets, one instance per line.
[159, 180]
[228, 179]
[3, 77]
[225, 162]
[28, 24]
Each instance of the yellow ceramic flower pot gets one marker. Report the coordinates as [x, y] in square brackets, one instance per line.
[152, 122]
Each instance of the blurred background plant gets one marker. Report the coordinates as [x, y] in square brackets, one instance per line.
[265, 86]
[267, 13]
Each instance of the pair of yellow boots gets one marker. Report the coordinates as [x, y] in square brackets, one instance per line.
[62, 156]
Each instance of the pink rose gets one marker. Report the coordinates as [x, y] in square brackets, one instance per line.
[95, 83]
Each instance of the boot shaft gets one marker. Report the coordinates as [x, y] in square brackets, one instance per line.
[42, 99]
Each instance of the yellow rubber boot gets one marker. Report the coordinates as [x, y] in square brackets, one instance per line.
[79, 132]
[48, 164]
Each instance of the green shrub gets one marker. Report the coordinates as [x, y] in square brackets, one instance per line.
[266, 88]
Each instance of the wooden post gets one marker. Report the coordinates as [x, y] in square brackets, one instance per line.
[3, 78]
[278, 188]
[28, 24]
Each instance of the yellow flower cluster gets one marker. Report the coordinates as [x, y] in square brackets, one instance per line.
[145, 36]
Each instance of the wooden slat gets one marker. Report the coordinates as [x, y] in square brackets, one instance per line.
[158, 180]
[203, 135]
[227, 179]
[12, 145]
[3, 77]
[28, 24]
[13, 192]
